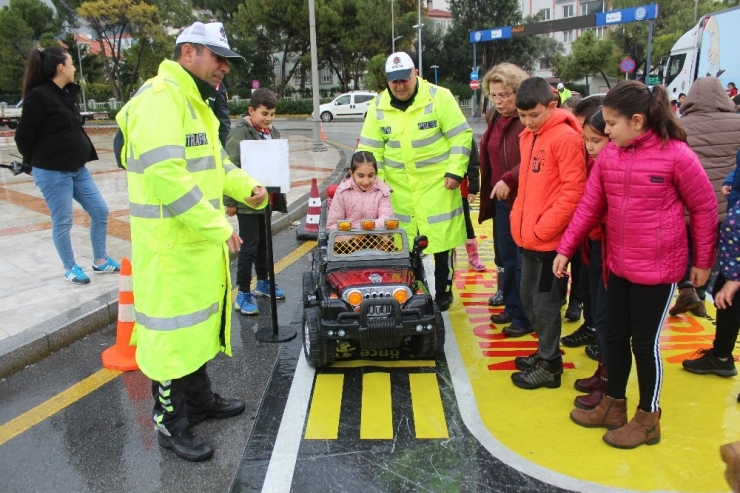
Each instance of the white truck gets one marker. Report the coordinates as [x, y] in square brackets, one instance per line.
[11, 115]
[709, 48]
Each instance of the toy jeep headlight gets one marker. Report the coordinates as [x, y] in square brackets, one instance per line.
[354, 297]
[401, 295]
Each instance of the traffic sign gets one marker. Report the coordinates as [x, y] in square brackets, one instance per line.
[627, 65]
[474, 75]
[255, 84]
[654, 80]
[474, 85]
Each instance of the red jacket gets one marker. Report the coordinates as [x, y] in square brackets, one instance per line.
[506, 166]
[643, 190]
[551, 181]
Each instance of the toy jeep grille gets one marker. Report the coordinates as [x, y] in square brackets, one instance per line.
[387, 242]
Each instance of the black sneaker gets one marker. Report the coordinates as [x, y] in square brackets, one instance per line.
[524, 363]
[573, 312]
[543, 374]
[497, 299]
[186, 445]
[218, 408]
[443, 301]
[592, 351]
[582, 336]
[709, 363]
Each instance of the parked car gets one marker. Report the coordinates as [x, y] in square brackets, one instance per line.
[367, 289]
[11, 115]
[349, 105]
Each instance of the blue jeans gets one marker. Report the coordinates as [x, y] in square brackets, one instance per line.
[58, 189]
[511, 257]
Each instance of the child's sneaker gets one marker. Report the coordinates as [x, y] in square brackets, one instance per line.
[263, 289]
[110, 266]
[246, 304]
[76, 276]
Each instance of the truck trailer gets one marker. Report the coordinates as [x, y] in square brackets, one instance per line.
[708, 49]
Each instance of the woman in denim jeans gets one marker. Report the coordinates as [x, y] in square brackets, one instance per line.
[51, 139]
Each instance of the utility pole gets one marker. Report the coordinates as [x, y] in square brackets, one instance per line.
[82, 76]
[393, 28]
[317, 144]
[420, 25]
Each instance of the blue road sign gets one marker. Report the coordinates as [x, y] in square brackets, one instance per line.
[627, 66]
[634, 14]
[474, 75]
[490, 34]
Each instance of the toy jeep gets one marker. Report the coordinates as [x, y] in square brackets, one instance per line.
[366, 288]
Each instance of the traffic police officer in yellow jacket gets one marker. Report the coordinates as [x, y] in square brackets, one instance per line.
[180, 238]
[422, 143]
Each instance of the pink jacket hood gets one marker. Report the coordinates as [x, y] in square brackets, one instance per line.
[350, 202]
[643, 190]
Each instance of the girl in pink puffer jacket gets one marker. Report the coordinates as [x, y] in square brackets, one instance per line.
[361, 195]
[642, 180]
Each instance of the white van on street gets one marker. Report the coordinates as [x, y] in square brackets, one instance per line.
[349, 105]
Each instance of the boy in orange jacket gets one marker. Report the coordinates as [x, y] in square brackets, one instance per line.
[552, 177]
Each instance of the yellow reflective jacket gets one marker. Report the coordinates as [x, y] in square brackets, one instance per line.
[415, 149]
[177, 175]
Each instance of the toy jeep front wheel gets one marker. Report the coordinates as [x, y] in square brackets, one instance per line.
[427, 346]
[319, 352]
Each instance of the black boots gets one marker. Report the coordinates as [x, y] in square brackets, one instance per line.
[186, 445]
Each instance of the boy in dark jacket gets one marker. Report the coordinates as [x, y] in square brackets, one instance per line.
[256, 125]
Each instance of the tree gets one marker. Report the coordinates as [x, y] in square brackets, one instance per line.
[589, 56]
[111, 20]
[23, 23]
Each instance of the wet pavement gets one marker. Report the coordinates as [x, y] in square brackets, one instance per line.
[377, 424]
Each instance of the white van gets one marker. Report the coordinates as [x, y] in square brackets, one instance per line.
[349, 105]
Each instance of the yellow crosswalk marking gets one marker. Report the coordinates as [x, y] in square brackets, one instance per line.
[326, 404]
[429, 416]
[407, 363]
[376, 417]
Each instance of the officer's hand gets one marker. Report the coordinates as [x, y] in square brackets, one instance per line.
[451, 183]
[230, 210]
[472, 197]
[234, 242]
[258, 196]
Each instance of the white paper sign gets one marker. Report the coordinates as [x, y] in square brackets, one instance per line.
[267, 161]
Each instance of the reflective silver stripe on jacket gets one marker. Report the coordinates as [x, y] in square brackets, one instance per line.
[178, 321]
[428, 141]
[403, 217]
[154, 156]
[391, 163]
[432, 90]
[460, 150]
[396, 144]
[229, 168]
[440, 218]
[192, 111]
[428, 108]
[371, 143]
[224, 155]
[200, 164]
[457, 130]
[433, 160]
[186, 202]
[152, 211]
[143, 88]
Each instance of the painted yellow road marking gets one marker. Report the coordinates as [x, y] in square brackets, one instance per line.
[343, 146]
[429, 415]
[34, 416]
[31, 418]
[360, 363]
[326, 405]
[376, 416]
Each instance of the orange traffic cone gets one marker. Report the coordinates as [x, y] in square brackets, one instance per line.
[323, 135]
[310, 229]
[121, 356]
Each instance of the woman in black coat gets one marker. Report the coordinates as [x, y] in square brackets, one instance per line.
[51, 139]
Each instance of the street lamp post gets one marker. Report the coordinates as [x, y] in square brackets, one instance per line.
[435, 67]
[419, 26]
[393, 28]
[82, 76]
[317, 145]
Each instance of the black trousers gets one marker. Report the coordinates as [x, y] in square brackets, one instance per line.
[728, 323]
[172, 398]
[444, 271]
[469, 230]
[252, 251]
[635, 314]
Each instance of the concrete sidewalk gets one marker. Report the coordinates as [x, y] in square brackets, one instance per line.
[40, 312]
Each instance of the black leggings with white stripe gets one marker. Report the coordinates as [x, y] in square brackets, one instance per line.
[635, 313]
